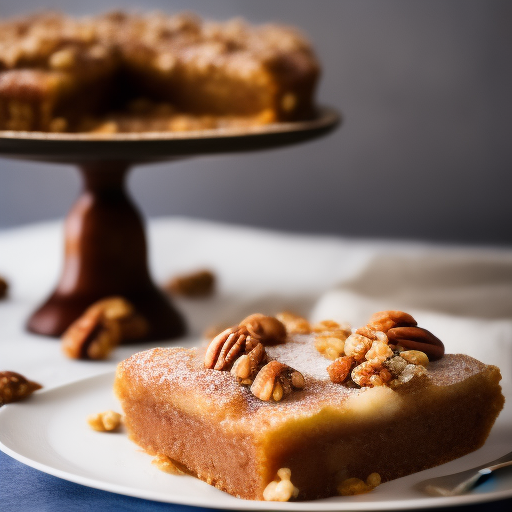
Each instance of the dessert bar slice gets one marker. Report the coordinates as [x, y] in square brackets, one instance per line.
[237, 437]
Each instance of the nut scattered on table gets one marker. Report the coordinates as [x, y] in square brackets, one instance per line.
[194, 285]
[15, 387]
[102, 327]
[106, 421]
[4, 287]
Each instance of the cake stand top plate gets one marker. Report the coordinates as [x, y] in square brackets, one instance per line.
[159, 146]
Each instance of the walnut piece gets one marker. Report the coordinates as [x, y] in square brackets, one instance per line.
[330, 346]
[415, 357]
[106, 421]
[15, 387]
[195, 285]
[390, 350]
[340, 369]
[282, 488]
[101, 328]
[385, 320]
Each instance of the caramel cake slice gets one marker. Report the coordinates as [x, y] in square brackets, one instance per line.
[261, 416]
[58, 73]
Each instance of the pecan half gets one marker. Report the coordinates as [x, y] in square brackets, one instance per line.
[133, 325]
[268, 328]
[417, 338]
[15, 387]
[275, 381]
[102, 327]
[227, 346]
[246, 366]
[385, 320]
[92, 336]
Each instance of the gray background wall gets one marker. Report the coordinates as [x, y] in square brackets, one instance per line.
[425, 150]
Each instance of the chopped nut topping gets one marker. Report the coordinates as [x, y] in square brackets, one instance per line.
[415, 357]
[353, 486]
[396, 365]
[340, 369]
[282, 488]
[330, 346]
[294, 324]
[104, 421]
[411, 371]
[357, 346]
[378, 352]
[390, 350]
[196, 285]
[369, 374]
[15, 387]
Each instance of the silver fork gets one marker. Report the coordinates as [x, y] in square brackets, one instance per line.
[460, 483]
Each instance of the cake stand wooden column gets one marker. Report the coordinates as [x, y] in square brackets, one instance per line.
[105, 243]
[105, 255]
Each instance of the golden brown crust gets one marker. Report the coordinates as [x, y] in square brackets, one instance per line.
[171, 401]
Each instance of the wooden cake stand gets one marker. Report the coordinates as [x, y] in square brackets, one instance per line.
[105, 243]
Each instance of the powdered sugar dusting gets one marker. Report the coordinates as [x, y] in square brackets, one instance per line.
[177, 377]
[300, 353]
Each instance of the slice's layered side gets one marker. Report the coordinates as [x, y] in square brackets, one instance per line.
[63, 74]
[324, 433]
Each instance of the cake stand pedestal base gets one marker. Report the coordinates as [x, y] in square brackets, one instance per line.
[105, 255]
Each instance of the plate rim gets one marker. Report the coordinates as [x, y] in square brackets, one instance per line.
[238, 504]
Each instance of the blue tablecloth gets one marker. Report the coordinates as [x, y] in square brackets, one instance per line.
[23, 489]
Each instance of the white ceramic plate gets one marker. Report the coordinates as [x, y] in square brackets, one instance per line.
[49, 432]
